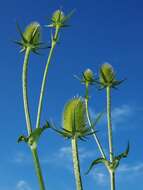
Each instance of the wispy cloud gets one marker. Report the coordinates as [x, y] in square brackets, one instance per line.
[136, 168]
[120, 115]
[23, 185]
[64, 155]
[100, 177]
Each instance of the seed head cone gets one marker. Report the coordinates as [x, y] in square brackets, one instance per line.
[106, 73]
[74, 115]
[32, 32]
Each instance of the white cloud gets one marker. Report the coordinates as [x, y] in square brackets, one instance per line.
[23, 185]
[66, 152]
[134, 168]
[100, 177]
[119, 115]
[63, 156]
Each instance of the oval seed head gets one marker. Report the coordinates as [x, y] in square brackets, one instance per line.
[32, 33]
[74, 117]
[88, 76]
[58, 18]
[107, 74]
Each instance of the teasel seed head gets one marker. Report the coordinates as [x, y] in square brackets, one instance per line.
[107, 75]
[59, 19]
[88, 76]
[30, 38]
[32, 33]
[74, 117]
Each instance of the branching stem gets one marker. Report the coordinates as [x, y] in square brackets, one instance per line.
[28, 119]
[90, 124]
[53, 44]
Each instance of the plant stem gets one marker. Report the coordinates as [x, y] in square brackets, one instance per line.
[53, 44]
[38, 169]
[112, 179]
[90, 124]
[27, 116]
[109, 123]
[76, 164]
[25, 94]
[112, 172]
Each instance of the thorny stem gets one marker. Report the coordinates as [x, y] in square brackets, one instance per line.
[53, 44]
[25, 94]
[90, 124]
[112, 172]
[76, 164]
[38, 169]
[109, 123]
[28, 119]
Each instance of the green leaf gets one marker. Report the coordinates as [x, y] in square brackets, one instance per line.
[124, 154]
[117, 159]
[22, 138]
[98, 161]
[37, 133]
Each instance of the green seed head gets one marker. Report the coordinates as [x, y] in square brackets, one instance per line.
[107, 74]
[88, 75]
[32, 33]
[58, 16]
[74, 117]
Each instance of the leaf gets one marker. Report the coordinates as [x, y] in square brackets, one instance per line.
[124, 154]
[117, 159]
[22, 138]
[98, 161]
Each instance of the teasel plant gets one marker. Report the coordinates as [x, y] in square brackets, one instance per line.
[107, 80]
[30, 42]
[75, 128]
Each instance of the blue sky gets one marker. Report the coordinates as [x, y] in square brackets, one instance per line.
[101, 31]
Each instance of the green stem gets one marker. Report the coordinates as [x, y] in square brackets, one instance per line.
[27, 116]
[90, 124]
[110, 138]
[38, 169]
[76, 164]
[112, 179]
[53, 44]
[109, 123]
[25, 94]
